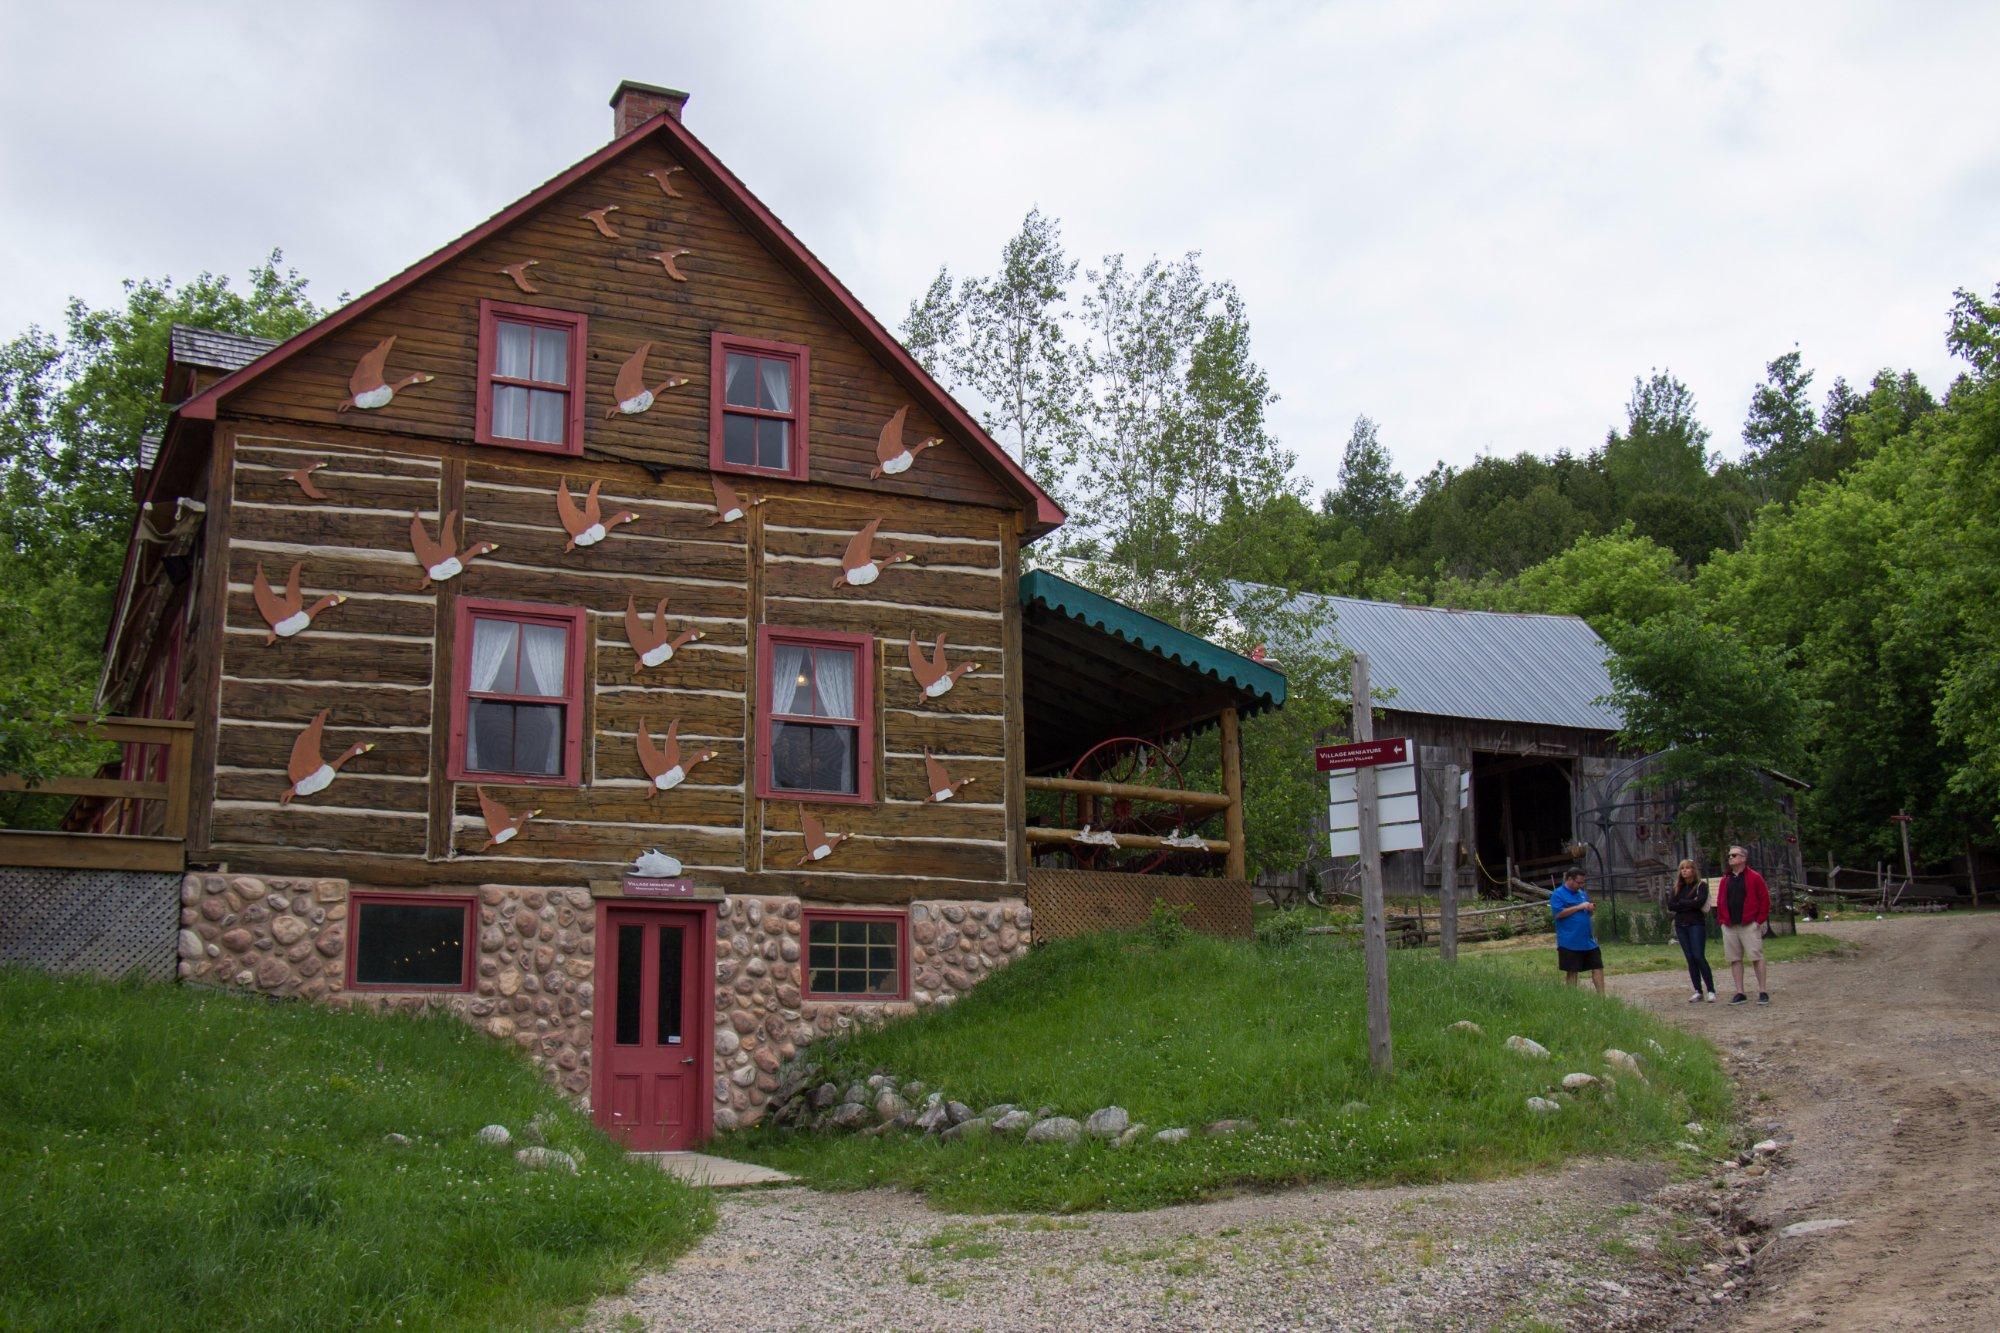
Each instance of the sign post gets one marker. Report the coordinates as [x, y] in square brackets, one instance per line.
[1374, 930]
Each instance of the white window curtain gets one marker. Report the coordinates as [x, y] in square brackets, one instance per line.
[777, 377]
[492, 649]
[739, 380]
[835, 670]
[543, 658]
[513, 357]
[552, 356]
[791, 684]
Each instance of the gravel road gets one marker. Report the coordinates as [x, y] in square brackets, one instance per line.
[1885, 1065]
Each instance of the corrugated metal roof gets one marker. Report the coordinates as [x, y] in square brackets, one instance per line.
[1502, 666]
[213, 349]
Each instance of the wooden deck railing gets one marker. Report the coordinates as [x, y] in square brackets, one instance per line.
[68, 849]
[1204, 803]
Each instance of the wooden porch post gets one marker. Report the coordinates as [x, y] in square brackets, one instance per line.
[1232, 787]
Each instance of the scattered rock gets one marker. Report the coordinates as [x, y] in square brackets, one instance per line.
[1768, 1148]
[1693, 1127]
[876, 1080]
[888, 1105]
[1171, 1136]
[1528, 1046]
[1579, 1082]
[1055, 1129]
[1468, 1027]
[1225, 1128]
[494, 1136]
[546, 1159]
[1654, 1044]
[1543, 1106]
[958, 1111]
[997, 1110]
[913, 1090]
[1009, 1122]
[1813, 1228]
[1755, 1169]
[1625, 1061]
[1133, 1133]
[825, 1095]
[856, 1096]
[848, 1115]
[1107, 1123]
[965, 1129]
[396, 1140]
[933, 1119]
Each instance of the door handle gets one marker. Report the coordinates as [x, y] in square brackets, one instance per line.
[687, 1059]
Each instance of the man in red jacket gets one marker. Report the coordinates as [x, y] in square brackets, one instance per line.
[1743, 906]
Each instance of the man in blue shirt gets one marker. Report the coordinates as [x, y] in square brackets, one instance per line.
[1576, 944]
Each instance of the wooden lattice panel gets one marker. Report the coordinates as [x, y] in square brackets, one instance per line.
[1075, 902]
[110, 922]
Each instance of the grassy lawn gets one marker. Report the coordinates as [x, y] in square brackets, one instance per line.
[1189, 1033]
[1537, 957]
[172, 1158]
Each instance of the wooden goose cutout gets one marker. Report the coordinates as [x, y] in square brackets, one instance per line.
[663, 176]
[286, 612]
[501, 823]
[367, 388]
[728, 508]
[631, 392]
[302, 478]
[668, 262]
[665, 766]
[651, 641]
[939, 782]
[600, 219]
[892, 456]
[858, 568]
[586, 526]
[819, 843]
[441, 559]
[519, 273]
[309, 773]
[937, 675]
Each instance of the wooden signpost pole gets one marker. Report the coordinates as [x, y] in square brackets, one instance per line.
[1374, 932]
[1448, 881]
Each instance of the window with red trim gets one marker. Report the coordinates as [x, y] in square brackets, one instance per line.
[530, 378]
[517, 696]
[856, 955]
[409, 941]
[757, 406]
[816, 715]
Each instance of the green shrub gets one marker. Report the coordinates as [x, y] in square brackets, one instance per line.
[1285, 930]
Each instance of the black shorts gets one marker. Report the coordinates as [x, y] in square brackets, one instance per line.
[1579, 960]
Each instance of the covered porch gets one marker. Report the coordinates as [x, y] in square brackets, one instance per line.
[1125, 808]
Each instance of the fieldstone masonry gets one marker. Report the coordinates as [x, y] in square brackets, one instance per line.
[534, 980]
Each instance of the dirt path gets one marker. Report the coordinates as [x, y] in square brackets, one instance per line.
[1885, 1065]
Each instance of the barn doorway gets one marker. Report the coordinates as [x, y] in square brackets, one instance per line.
[1522, 813]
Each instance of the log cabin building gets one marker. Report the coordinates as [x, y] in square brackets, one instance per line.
[605, 629]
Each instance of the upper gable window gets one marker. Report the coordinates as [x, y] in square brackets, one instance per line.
[530, 378]
[757, 406]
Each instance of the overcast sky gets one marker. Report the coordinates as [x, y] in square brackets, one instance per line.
[1472, 222]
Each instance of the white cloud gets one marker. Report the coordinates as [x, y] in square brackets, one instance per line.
[1475, 223]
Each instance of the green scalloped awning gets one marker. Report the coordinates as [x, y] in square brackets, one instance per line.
[1258, 687]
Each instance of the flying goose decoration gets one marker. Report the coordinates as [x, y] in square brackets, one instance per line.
[631, 392]
[728, 506]
[936, 675]
[651, 642]
[670, 261]
[502, 824]
[892, 456]
[663, 177]
[858, 568]
[586, 526]
[441, 559]
[938, 782]
[600, 218]
[302, 478]
[819, 843]
[310, 774]
[286, 612]
[663, 765]
[368, 388]
[519, 273]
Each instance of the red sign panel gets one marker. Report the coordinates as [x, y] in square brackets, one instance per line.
[1362, 754]
[637, 886]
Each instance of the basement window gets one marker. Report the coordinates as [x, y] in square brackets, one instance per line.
[855, 955]
[409, 941]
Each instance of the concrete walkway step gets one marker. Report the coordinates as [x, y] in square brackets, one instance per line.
[717, 1173]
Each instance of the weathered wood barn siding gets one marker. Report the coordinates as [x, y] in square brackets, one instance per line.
[382, 661]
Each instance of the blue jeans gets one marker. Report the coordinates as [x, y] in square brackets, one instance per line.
[1693, 938]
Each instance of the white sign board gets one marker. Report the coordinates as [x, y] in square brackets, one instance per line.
[1396, 806]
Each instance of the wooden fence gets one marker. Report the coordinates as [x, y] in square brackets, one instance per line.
[80, 850]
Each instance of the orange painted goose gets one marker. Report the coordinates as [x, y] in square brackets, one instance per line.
[368, 388]
[650, 642]
[600, 218]
[631, 391]
[286, 613]
[892, 456]
[936, 675]
[519, 273]
[858, 568]
[728, 507]
[302, 478]
[664, 178]
[663, 765]
[940, 783]
[501, 823]
[819, 843]
[441, 559]
[670, 261]
[586, 526]
[308, 772]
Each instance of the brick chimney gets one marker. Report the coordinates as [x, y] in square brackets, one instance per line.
[636, 103]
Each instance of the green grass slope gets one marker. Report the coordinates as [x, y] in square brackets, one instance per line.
[171, 1158]
[1183, 1034]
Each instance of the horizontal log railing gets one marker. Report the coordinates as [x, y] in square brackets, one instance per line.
[1136, 841]
[1206, 802]
[70, 849]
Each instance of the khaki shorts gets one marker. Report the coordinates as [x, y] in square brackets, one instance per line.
[1743, 944]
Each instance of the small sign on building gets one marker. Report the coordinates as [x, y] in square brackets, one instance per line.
[1398, 809]
[1361, 754]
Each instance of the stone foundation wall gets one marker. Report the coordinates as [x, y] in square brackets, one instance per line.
[762, 1019]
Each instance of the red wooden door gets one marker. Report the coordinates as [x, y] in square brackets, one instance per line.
[652, 1013]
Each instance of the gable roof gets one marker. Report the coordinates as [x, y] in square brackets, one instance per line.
[1499, 666]
[214, 349]
[751, 211]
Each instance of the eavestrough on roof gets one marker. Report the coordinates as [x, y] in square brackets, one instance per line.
[1047, 515]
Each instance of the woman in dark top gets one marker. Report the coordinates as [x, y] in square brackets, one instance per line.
[1689, 904]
